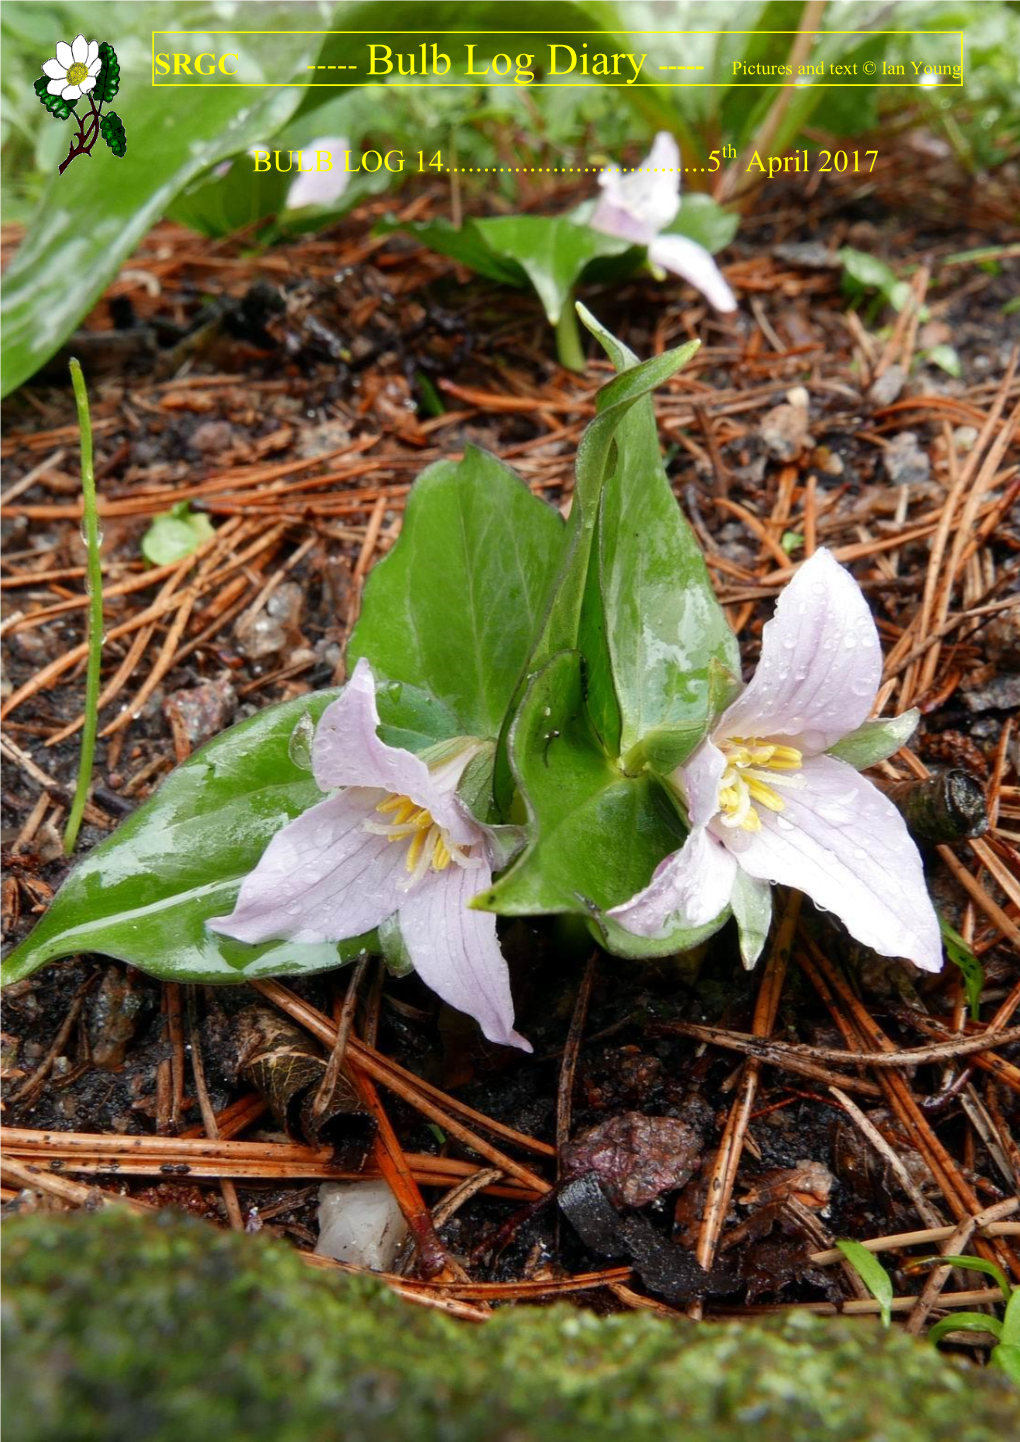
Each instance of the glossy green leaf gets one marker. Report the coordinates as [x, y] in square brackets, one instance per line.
[965, 1322]
[454, 608]
[175, 534]
[1006, 1356]
[596, 835]
[1011, 1319]
[873, 741]
[872, 1274]
[145, 894]
[752, 911]
[960, 955]
[63, 266]
[654, 609]
[969, 1264]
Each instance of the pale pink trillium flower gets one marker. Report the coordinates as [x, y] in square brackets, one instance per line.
[640, 205]
[75, 70]
[321, 188]
[766, 804]
[397, 840]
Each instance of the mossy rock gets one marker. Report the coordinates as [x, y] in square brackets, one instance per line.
[134, 1329]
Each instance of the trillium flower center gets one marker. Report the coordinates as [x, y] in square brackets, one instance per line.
[429, 846]
[77, 74]
[754, 769]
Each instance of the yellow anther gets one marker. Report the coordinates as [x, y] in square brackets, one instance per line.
[440, 856]
[765, 796]
[751, 822]
[413, 850]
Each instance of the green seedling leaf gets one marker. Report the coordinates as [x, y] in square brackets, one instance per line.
[108, 80]
[873, 741]
[965, 1322]
[946, 358]
[111, 128]
[175, 534]
[580, 805]
[872, 1274]
[454, 608]
[53, 103]
[652, 610]
[969, 1264]
[145, 894]
[1008, 1359]
[960, 955]
[1011, 1320]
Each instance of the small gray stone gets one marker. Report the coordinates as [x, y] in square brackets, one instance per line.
[905, 463]
[888, 386]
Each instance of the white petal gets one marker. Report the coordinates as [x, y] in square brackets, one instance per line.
[693, 885]
[80, 50]
[321, 188]
[54, 69]
[846, 846]
[820, 665]
[455, 950]
[638, 205]
[752, 911]
[89, 83]
[699, 778]
[348, 752]
[686, 258]
[95, 66]
[64, 54]
[93, 55]
[322, 878]
[56, 87]
[71, 92]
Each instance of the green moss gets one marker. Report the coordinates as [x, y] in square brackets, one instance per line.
[133, 1329]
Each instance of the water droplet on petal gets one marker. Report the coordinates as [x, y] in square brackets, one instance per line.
[299, 747]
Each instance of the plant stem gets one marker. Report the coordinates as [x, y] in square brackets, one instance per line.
[568, 338]
[94, 581]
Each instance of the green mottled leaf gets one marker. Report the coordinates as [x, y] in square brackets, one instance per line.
[454, 608]
[873, 741]
[872, 1274]
[112, 130]
[108, 80]
[175, 534]
[53, 103]
[596, 835]
[145, 894]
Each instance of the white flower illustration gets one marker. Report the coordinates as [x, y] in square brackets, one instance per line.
[75, 70]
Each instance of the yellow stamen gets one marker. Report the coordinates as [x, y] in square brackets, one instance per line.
[765, 796]
[749, 760]
[428, 845]
[413, 849]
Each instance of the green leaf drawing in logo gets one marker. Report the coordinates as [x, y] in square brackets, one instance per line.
[111, 127]
[108, 80]
[54, 104]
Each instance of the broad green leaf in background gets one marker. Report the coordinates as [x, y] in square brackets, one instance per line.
[456, 605]
[654, 604]
[75, 244]
[144, 895]
[872, 1274]
[596, 835]
[175, 534]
